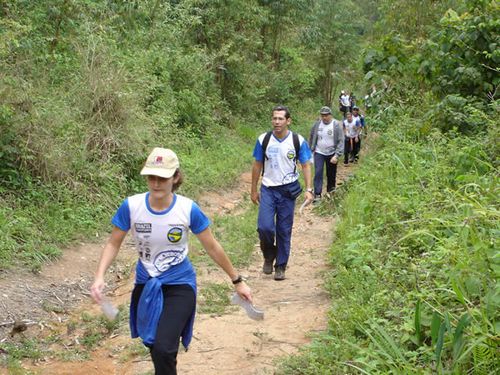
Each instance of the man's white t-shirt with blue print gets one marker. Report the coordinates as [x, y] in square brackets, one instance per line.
[279, 167]
[161, 237]
[325, 145]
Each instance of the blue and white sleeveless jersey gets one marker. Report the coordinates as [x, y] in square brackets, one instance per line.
[161, 237]
[279, 167]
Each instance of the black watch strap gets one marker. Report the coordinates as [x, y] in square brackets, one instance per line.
[238, 280]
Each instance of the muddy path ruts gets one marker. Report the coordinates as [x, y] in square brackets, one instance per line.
[228, 344]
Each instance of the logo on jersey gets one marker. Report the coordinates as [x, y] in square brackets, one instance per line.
[175, 234]
[290, 154]
[143, 227]
[165, 259]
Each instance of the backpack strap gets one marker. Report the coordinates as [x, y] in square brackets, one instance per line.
[296, 145]
[265, 142]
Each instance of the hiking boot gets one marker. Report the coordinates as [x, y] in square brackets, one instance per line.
[267, 268]
[317, 199]
[279, 273]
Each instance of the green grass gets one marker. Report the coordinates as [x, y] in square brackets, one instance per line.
[415, 263]
[26, 348]
[135, 350]
[213, 298]
[236, 233]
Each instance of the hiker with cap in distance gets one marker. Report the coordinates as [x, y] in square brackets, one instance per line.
[276, 155]
[163, 302]
[326, 141]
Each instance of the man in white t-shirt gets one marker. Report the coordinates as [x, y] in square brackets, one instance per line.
[345, 103]
[327, 144]
[276, 154]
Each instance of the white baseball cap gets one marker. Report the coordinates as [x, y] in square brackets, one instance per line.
[161, 162]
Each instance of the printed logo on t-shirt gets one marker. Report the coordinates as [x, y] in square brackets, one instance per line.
[273, 150]
[175, 234]
[168, 258]
[143, 227]
[290, 154]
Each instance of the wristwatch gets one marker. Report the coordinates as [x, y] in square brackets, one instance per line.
[309, 191]
[238, 280]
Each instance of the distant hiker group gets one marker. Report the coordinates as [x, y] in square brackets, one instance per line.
[276, 153]
[329, 139]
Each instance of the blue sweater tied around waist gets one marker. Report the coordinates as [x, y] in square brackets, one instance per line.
[150, 303]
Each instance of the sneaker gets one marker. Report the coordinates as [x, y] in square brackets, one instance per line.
[279, 273]
[267, 268]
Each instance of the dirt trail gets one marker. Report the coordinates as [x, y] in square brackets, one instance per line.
[227, 344]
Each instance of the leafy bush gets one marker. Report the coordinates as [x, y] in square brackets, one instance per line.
[463, 55]
[459, 113]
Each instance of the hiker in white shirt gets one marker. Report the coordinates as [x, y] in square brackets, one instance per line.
[352, 129]
[327, 144]
[345, 103]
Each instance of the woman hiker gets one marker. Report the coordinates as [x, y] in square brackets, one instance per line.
[163, 300]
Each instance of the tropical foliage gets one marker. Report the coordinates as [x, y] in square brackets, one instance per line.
[415, 265]
[89, 86]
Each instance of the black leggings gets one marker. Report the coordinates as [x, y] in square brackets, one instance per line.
[178, 305]
[351, 153]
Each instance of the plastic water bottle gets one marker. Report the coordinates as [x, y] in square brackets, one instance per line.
[252, 312]
[108, 309]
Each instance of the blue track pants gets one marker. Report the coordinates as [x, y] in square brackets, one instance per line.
[275, 222]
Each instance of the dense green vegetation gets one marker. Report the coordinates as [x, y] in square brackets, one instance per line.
[415, 265]
[87, 87]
